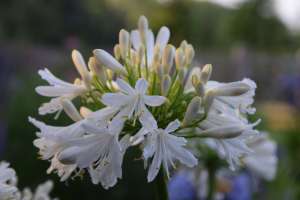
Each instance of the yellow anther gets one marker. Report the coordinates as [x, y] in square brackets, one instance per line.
[42, 104]
[93, 165]
[240, 106]
[43, 150]
[56, 169]
[45, 146]
[169, 179]
[134, 117]
[158, 168]
[135, 159]
[249, 106]
[40, 158]
[124, 117]
[175, 168]
[106, 162]
[132, 125]
[98, 170]
[169, 173]
[242, 115]
[39, 153]
[143, 111]
[54, 172]
[242, 162]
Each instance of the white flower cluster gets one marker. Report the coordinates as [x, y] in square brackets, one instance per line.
[150, 100]
[9, 190]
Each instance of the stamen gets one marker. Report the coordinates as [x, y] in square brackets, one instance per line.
[93, 165]
[42, 104]
[158, 168]
[79, 174]
[242, 115]
[43, 150]
[242, 162]
[39, 153]
[124, 117]
[175, 167]
[132, 125]
[141, 113]
[45, 146]
[240, 106]
[249, 106]
[98, 170]
[106, 162]
[169, 179]
[136, 159]
[134, 117]
[40, 158]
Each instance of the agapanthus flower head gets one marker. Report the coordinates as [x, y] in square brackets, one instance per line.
[146, 98]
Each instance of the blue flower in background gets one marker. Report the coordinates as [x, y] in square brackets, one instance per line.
[180, 188]
[241, 187]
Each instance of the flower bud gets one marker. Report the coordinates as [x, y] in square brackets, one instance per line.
[110, 74]
[129, 43]
[84, 112]
[185, 61]
[157, 48]
[231, 89]
[117, 51]
[182, 74]
[167, 58]
[159, 71]
[140, 53]
[208, 101]
[128, 62]
[190, 55]
[158, 86]
[178, 58]
[77, 81]
[191, 112]
[223, 132]
[70, 109]
[120, 76]
[69, 156]
[167, 103]
[183, 45]
[106, 60]
[188, 47]
[124, 40]
[156, 58]
[133, 58]
[165, 85]
[195, 80]
[97, 70]
[79, 61]
[205, 73]
[200, 90]
[87, 80]
[143, 29]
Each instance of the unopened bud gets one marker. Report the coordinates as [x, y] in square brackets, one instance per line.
[124, 40]
[223, 132]
[167, 58]
[191, 111]
[143, 29]
[106, 60]
[117, 51]
[79, 61]
[188, 47]
[183, 45]
[128, 62]
[208, 101]
[159, 70]
[190, 55]
[77, 81]
[158, 86]
[140, 53]
[200, 90]
[69, 156]
[84, 112]
[87, 80]
[195, 80]
[120, 76]
[97, 70]
[178, 58]
[157, 48]
[133, 58]
[129, 43]
[182, 74]
[70, 109]
[205, 73]
[185, 61]
[110, 74]
[231, 89]
[167, 103]
[165, 85]
[156, 58]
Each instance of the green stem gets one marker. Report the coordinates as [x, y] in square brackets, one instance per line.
[139, 69]
[160, 184]
[211, 171]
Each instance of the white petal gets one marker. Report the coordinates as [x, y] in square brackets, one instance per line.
[141, 86]
[52, 80]
[125, 87]
[172, 126]
[135, 38]
[150, 47]
[116, 99]
[154, 100]
[91, 129]
[153, 171]
[147, 120]
[104, 112]
[163, 37]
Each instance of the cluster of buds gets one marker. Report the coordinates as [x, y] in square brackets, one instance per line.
[140, 96]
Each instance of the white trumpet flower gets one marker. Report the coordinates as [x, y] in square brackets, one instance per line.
[58, 90]
[6, 191]
[166, 146]
[133, 102]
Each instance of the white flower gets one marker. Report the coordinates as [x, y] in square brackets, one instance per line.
[162, 39]
[6, 191]
[134, 101]
[58, 89]
[104, 174]
[166, 146]
[264, 161]
[41, 192]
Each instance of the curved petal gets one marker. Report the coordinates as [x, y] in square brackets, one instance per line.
[91, 129]
[147, 120]
[154, 100]
[116, 99]
[141, 86]
[125, 87]
[135, 38]
[150, 47]
[172, 126]
[163, 37]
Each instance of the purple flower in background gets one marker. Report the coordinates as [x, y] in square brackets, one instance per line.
[180, 188]
[241, 187]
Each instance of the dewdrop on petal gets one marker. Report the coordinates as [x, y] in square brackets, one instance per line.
[200, 89]
[231, 89]
[140, 53]
[157, 48]
[98, 70]
[195, 80]
[167, 58]
[79, 61]
[70, 109]
[183, 45]
[182, 74]
[106, 60]
[87, 80]
[205, 73]
[123, 41]
[223, 132]
[165, 85]
[143, 29]
[156, 58]
[191, 111]
[185, 61]
[117, 51]
[159, 70]
[133, 58]
[208, 101]
[190, 55]
[178, 57]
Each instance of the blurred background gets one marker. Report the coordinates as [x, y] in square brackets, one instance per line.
[259, 39]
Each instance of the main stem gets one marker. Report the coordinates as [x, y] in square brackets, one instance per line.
[212, 171]
[161, 185]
